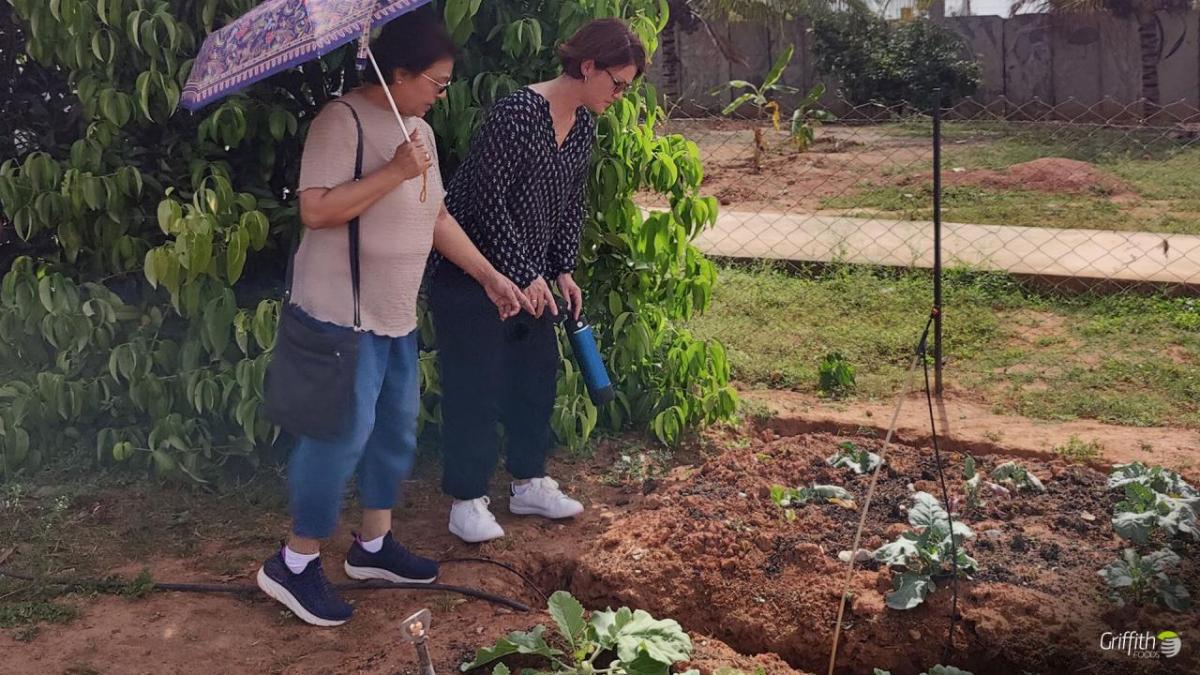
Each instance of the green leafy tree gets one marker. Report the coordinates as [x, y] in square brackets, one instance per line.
[138, 320]
[892, 64]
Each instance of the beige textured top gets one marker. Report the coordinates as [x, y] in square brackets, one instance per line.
[395, 233]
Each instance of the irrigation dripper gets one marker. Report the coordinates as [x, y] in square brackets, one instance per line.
[415, 629]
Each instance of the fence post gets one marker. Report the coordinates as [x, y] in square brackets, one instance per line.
[937, 240]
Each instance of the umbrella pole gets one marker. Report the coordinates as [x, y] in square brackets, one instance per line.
[396, 111]
[387, 92]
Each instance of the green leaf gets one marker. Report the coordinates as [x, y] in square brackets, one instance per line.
[173, 94]
[264, 324]
[170, 213]
[517, 642]
[455, 13]
[608, 624]
[662, 640]
[142, 87]
[778, 67]
[645, 664]
[200, 252]
[910, 591]
[20, 445]
[737, 103]
[568, 614]
[927, 512]
[1175, 596]
[149, 267]
[164, 464]
[1135, 526]
[946, 670]
[235, 255]
[897, 553]
[257, 225]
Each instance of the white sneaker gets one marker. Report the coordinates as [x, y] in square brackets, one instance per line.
[541, 497]
[472, 522]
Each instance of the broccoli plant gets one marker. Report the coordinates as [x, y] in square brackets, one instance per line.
[1017, 478]
[1156, 478]
[641, 644]
[926, 554]
[1139, 580]
[858, 460]
[973, 483]
[1144, 510]
[786, 497]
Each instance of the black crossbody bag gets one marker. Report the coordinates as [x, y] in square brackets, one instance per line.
[309, 384]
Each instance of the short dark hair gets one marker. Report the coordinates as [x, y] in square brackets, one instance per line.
[608, 42]
[412, 42]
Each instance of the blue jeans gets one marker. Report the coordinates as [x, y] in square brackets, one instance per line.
[380, 440]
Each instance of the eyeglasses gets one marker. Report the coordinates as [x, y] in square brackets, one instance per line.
[619, 86]
[442, 86]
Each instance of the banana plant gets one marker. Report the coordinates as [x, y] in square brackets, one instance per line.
[762, 96]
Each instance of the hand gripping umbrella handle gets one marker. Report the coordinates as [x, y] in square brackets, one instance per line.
[395, 111]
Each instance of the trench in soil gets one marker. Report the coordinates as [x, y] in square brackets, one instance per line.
[706, 545]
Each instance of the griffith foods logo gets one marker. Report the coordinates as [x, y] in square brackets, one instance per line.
[1139, 645]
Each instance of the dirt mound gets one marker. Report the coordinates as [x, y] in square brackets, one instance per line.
[710, 548]
[1050, 174]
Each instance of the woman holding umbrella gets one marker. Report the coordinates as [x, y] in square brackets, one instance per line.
[520, 197]
[398, 202]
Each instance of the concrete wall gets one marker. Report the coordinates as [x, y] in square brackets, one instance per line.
[1179, 71]
[1077, 67]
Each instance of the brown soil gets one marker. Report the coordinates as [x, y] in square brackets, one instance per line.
[844, 159]
[710, 547]
[786, 180]
[1049, 174]
[702, 544]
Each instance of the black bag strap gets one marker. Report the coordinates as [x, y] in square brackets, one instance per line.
[352, 227]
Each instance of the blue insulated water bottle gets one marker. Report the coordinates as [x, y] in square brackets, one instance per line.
[587, 355]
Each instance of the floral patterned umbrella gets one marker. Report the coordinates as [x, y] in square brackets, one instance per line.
[280, 34]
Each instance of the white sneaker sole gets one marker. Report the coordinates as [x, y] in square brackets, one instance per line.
[474, 540]
[367, 573]
[273, 589]
[521, 510]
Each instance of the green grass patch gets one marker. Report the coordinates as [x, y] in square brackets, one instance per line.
[1121, 359]
[16, 614]
[1160, 169]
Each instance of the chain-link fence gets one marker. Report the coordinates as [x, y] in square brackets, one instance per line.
[1084, 197]
[1070, 242]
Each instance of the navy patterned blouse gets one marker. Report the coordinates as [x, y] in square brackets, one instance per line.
[520, 197]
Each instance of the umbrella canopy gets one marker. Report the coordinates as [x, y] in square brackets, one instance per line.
[277, 35]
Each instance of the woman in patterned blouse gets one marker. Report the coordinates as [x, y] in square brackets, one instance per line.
[519, 195]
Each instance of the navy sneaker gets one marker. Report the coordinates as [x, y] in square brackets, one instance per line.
[308, 594]
[393, 563]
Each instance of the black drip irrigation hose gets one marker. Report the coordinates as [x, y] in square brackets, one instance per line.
[937, 458]
[240, 589]
[504, 565]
